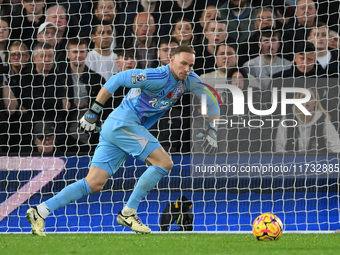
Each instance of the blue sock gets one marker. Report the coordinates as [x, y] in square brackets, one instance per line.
[145, 184]
[69, 194]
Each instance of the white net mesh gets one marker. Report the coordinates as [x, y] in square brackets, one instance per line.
[55, 58]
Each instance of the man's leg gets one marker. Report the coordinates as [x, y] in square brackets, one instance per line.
[161, 164]
[94, 182]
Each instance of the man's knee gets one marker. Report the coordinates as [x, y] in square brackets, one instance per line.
[96, 179]
[168, 164]
[97, 187]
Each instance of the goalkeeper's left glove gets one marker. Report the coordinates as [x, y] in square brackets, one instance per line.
[90, 122]
[209, 139]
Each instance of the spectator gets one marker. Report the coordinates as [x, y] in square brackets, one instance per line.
[305, 64]
[126, 59]
[313, 133]
[209, 13]
[268, 63]
[4, 40]
[164, 52]
[225, 58]
[333, 39]
[25, 26]
[106, 11]
[145, 43]
[83, 85]
[182, 31]
[180, 9]
[215, 33]
[265, 18]
[283, 13]
[47, 33]
[18, 68]
[40, 95]
[297, 30]
[44, 139]
[18, 58]
[153, 7]
[328, 59]
[102, 59]
[240, 17]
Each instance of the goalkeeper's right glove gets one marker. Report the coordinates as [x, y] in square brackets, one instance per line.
[209, 140]
[90, 122]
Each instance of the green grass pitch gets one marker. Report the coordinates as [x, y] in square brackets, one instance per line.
[174, 244]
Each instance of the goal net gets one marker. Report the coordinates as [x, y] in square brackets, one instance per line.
[271, 66]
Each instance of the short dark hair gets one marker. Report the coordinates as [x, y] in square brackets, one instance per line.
[304, 47]
[76, 41]
[237, 69]
[128, 52]
[183, 48]
[231, 45]
[101, 23]
[167, 40]
[269, 32]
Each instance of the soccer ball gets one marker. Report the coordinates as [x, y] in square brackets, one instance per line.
[267, 227]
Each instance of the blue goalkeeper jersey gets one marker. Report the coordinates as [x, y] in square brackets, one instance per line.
[153, 92]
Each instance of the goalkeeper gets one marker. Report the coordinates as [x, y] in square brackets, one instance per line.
[125, 132]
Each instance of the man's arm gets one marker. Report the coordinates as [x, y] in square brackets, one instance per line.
[90, 122]
[103, 96]
[209, 136]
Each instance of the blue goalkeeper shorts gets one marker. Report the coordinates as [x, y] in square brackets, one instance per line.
[118, 139]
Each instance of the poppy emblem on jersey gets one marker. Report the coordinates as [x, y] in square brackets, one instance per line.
[141, 77]
[169, 94]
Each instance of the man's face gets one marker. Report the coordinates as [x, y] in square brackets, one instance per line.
[106, 10]
[305, 61]
[48, 36]
[34, 7]
[264, 19]
[45, 144]
[181, 65]
[183, 31]
[4, 31]
[17, 57]
[305, 12]
[237, 80]
[77, 54]
[209, 13]
[103, 37]
[333, 40]
[226, 57]
[269, 45]
[319, 37]
[58, 17]
[126, 63]
[216, 32]
[44, 60]
[164, 52]
[144, 27]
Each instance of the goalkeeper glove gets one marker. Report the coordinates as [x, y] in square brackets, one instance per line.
[209, 140]
[90, 122]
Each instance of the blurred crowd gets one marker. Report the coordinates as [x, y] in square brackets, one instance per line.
[56, 55]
